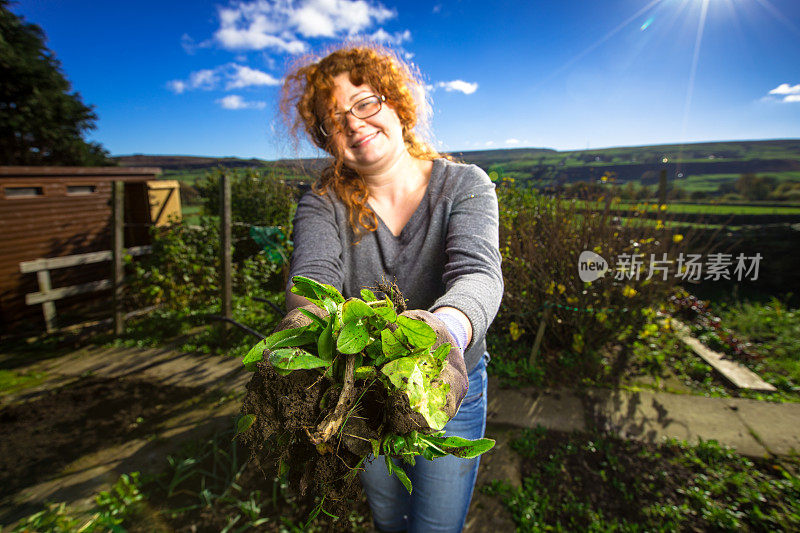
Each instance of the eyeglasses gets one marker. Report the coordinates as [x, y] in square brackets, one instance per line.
[364, 108]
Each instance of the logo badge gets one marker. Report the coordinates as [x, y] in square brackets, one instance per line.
[591, 266]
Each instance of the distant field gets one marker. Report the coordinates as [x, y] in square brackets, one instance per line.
[709, 209]
[721, 209]
[187, 176]
[191, 213]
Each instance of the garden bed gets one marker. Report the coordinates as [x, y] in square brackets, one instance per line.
[585, 481]
[45, 434]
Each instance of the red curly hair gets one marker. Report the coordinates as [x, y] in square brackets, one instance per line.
[307, 100]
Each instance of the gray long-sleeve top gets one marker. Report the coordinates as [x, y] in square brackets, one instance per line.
[446, 255]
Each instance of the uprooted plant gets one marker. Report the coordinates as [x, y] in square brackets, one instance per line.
[340, 380]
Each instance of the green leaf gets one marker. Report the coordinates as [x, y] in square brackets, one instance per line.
[295, 359]
[368, 296]
[441, 352]
[403, 477]
[352, 338]
[330, 306]
[314, 290]
[391, 345]
[354, 309]
[319, 321]
[374, 349]
[418, 333]
[365, 372]
[412, 376]
[376, 446]
[403, 372]
[386, 313]
[429, 402]
[255, 355]
[325, 342]
[464, 448]
[292, 338]
[244, 423]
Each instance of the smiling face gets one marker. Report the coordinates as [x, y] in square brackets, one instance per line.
[370, 144]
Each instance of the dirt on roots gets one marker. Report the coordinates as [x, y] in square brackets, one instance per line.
[288, 409]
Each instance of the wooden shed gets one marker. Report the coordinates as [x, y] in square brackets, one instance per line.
[53, 212]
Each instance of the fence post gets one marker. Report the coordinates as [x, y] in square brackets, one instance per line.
[225, 252]
[117, 249]
[537, 342]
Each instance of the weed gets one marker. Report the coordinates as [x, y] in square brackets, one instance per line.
[594, 482]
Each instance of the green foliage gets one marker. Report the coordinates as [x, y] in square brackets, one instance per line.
[41, 121]
[753, 187]
[112, 508]
[591, 482]
[541, 276]
[259, 197]
[180, 327]
[182, 272]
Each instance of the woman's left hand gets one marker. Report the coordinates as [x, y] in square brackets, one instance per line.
[454, 372]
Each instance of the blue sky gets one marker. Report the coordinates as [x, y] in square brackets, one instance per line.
[201, 78]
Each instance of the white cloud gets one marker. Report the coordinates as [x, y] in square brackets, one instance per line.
[203, 79]
[458, 85]
[176, 86]
[397, 38]
[236, 77]
[512, 141]
[280, 25]
[243, 76]
[234, 101]
[785, 88]
[790, 93]
[489, 143]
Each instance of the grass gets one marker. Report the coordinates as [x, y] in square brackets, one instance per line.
[774, 332]
[14, 380]
[595, 482]
[192, 213]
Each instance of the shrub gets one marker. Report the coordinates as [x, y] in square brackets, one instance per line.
[183, 272]
[258, 198]
[541, 239]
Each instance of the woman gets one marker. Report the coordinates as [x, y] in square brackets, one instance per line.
[390, 207]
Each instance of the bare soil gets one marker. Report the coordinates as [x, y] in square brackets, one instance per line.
[42, 436]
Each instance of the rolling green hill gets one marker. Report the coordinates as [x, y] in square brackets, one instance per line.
[694, 167]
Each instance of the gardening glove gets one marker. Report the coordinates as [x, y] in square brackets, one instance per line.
[454, 372]
[296, 319]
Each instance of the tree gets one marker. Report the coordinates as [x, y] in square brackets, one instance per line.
[41, 121]
[751, 187]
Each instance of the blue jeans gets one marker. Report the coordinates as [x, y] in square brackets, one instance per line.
[442, 488]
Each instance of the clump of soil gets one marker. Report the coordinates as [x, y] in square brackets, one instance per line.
[290, 409]
[41, 436]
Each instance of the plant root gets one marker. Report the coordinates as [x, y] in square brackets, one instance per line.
[331, 424]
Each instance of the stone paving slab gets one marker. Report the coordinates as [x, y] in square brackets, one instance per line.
[652, 417]
[561, 410]
[755, 428]
[776, 425]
